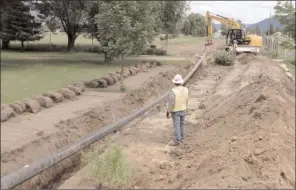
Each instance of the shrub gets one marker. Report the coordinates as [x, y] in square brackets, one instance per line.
[151, 51]
[156, 51]
[224, 58]
[160, 52]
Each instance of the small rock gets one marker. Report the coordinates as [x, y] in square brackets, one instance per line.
[260, 137]
[179, 176]
[234, 138]
[40, 133]
[245, 179]
[258, 151]
[161, 177]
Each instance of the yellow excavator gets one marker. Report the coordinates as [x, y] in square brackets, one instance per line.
[236, 38]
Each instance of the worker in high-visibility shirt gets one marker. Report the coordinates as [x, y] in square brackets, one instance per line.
[177, 106]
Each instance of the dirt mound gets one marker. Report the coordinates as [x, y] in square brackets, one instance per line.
[77, 91]
[79, 85]
[7, 113]
[109, 80]
[40, 99]
[67, 94]
[132, 72]
[48, 102]
[55, 96]
[17, 108]
[33, 106]
[21, 104]
[247, 140]
[102, 83]
[92, 84]
[4, 106]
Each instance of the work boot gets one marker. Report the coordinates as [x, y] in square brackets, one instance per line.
[174, 143]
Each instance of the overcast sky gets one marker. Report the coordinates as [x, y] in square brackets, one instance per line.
[248, 12]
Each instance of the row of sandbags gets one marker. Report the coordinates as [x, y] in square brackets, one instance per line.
[38, 102]
[112, 78]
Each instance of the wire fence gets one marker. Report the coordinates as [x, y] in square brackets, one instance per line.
[272, 47]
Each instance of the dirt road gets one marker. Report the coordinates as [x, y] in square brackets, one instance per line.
[240, 133]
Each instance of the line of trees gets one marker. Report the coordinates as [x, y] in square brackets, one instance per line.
[121, 27]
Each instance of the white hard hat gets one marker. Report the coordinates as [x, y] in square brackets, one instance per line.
[178, 79]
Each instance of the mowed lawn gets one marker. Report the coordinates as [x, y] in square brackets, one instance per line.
[24, 75]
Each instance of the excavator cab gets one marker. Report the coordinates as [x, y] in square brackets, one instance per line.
[236, 34]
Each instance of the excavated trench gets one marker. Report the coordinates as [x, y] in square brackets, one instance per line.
[240, 118]
[73, 129]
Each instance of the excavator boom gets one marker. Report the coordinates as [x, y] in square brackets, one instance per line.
[224, 20]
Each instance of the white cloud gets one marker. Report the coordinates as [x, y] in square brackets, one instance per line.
[248, 12]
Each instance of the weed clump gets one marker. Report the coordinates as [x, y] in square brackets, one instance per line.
[224, 58]
[111, 168]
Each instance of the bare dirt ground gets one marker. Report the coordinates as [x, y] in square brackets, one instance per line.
[23, 137]
[243, 135]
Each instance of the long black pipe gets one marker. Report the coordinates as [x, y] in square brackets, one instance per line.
[12, 180]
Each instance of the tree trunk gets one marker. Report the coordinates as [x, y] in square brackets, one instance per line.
[49, 45]
[92, 42]
[71, 42]
[121, 74]
[107, 58]
[5, 44]
[22, 46]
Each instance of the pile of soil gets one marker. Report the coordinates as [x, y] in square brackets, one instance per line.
[113, 78]
[244, 139]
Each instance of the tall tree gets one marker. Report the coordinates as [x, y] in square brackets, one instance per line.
[194, 25]
[18, 24]
[72, 15]
[285, 13]
[125, 27]
[170, 12]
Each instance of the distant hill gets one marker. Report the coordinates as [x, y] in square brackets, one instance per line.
[263, 25]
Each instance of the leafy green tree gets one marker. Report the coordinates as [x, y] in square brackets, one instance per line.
[170, 13]
[125, 27]
[18, 24]
[72, 15]
[194, 25]
[285, 13]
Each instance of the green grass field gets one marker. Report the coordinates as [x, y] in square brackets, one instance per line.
[25, 74]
